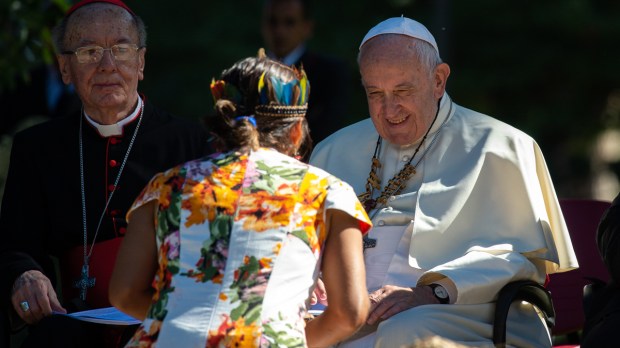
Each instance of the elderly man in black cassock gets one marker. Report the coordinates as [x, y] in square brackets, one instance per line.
[71, 180]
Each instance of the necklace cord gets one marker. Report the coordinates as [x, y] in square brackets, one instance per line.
[395, 185]
[88, 253]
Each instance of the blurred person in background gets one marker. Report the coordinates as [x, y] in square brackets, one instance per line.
[602, 310]
[287, 25]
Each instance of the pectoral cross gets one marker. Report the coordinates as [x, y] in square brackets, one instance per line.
[369, 242]
[84, 282]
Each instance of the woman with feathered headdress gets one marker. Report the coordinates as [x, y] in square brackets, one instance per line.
[224, 251]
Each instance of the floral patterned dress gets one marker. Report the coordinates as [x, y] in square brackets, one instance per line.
[239, 240]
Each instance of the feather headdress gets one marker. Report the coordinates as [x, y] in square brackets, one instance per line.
[276, 97]
[220, 89]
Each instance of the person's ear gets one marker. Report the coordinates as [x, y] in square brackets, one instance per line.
[141, 63]
[64, 68]
[440, 78]
[296, 134]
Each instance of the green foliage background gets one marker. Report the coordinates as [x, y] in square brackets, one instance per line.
[547, 67]
[25, 37]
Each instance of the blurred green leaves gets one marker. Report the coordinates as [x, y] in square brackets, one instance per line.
[25, 37]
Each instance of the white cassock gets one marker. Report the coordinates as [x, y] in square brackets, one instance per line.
[480, 212]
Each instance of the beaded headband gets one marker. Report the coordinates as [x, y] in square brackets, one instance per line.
[275, 97]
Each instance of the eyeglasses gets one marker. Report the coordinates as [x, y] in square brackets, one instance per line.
[93, 54]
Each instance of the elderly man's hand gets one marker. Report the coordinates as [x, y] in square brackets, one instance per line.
[34, 297]
[391, 300]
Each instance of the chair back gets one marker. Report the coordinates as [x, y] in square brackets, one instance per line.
[582, 217]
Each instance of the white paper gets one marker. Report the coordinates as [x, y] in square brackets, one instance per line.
[109, 315]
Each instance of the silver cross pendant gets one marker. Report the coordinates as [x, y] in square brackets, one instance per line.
[84, 282]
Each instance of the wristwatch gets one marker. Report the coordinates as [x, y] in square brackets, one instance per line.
[440, 293]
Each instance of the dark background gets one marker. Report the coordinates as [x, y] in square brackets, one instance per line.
[550, 68]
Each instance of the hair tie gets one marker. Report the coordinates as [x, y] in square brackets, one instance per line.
[250, 119]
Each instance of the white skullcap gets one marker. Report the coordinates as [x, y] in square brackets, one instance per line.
[404, 26]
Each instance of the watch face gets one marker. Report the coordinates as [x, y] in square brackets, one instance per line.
[440, 292]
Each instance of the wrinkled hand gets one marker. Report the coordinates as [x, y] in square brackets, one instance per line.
[391, 300]
[319, 295]
[36, 289]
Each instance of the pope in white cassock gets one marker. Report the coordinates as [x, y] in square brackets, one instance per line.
[461, 203]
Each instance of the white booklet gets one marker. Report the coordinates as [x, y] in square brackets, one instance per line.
[109, 315]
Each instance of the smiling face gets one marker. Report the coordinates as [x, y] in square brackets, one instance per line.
[109, 88]
[402, 93]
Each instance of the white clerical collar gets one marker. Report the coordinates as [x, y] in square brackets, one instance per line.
[292, 57]
[110, 130]
[445, 109]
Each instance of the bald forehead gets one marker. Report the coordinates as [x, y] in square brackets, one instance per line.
[97, 14]
[393, 46]
[97, 10]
